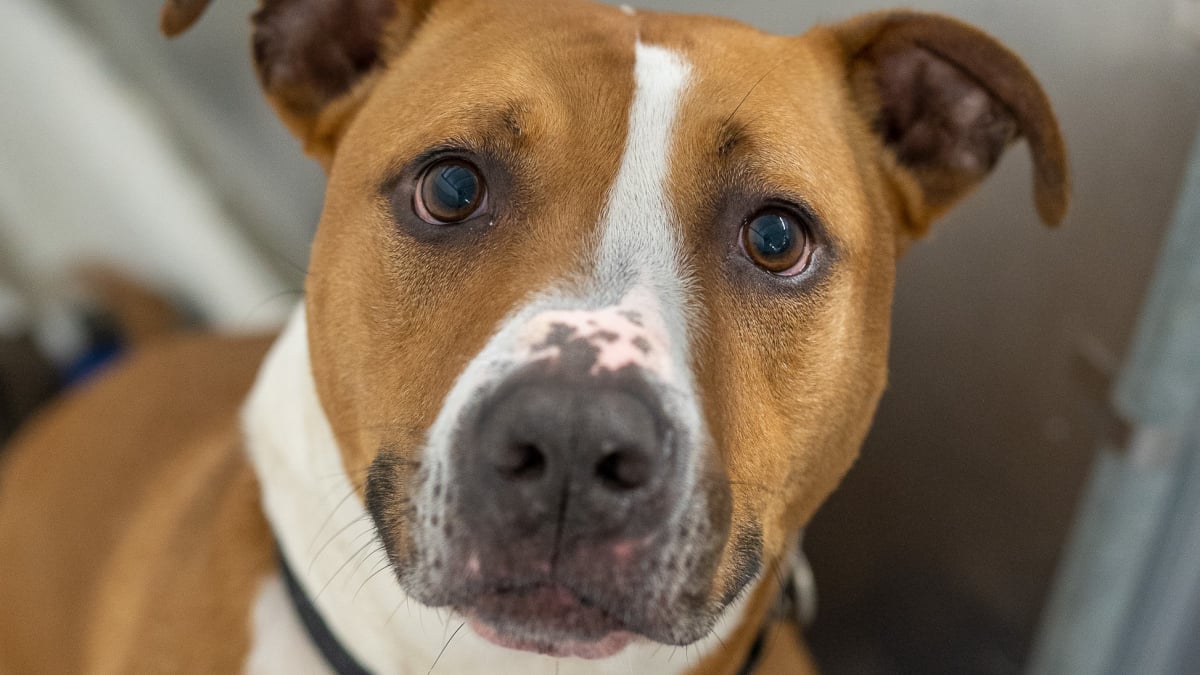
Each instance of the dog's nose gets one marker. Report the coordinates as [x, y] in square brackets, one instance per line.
[585, 459]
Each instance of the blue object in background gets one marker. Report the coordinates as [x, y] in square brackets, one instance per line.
[104, 347]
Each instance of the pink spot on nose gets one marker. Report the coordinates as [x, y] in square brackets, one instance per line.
[631, 333]
[473, 566]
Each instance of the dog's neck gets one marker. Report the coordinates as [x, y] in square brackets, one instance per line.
[328, 538]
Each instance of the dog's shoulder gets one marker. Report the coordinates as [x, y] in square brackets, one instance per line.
[113, 469]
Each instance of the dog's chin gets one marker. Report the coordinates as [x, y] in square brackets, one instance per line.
[547, 619]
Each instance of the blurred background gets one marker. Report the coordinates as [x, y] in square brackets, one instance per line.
[1024, 501]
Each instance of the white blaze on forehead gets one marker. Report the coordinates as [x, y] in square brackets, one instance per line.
[639, 241]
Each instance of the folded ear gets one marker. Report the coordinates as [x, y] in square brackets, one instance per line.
[316, 58]
[946, 99]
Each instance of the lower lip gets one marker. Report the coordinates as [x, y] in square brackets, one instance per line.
[609, 645]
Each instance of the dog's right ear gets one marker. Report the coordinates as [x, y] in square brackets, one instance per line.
[316, 59]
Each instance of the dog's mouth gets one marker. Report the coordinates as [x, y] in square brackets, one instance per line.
[547, 618]
[569, 583]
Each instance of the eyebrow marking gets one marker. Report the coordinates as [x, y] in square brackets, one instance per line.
[729, 136]
[489, 124]
[512, 119]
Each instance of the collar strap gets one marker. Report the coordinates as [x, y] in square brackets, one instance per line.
[340, 660]
[755, 653]
[796, 605]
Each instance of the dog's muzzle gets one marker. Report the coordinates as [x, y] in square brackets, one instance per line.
[569, 503]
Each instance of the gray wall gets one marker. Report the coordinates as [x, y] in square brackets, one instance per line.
[960, 503]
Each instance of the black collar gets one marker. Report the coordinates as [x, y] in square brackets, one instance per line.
[340, 660]
[343, 663]
[755, 653]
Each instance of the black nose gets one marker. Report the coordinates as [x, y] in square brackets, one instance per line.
[575, 455]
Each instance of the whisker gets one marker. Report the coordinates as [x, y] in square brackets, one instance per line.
[386, 565]
[246, 319]
[751, 91]
[341, 568]
[378, 549]
[713, 632]
[329, 519]
[370, 527]
[394, 611]
[439, 656]
[337, 484]
[280, 257]
[351, 473]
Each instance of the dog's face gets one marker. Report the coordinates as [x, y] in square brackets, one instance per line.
[599, 301]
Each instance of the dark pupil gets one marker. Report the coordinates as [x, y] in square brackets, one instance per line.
[455, 188]
[771, 235]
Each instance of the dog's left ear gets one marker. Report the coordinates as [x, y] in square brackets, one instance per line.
[946, 99]
[317, 59]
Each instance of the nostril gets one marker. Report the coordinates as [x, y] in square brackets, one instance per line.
[522, 461]
[623, 469]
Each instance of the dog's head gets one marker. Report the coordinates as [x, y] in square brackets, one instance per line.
[598, 306]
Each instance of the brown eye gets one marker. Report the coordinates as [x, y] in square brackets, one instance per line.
[777, 241]
[449, 192]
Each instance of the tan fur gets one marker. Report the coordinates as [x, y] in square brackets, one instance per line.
[129, 516]
[156, 527]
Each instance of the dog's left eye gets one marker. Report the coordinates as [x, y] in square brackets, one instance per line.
[449, 192]
[778, 241]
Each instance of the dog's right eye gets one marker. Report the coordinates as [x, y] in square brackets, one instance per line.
[449, 192]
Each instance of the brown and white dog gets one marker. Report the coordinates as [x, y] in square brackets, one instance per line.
[597, 315]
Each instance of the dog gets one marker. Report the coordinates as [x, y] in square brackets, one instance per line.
[597, 315]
